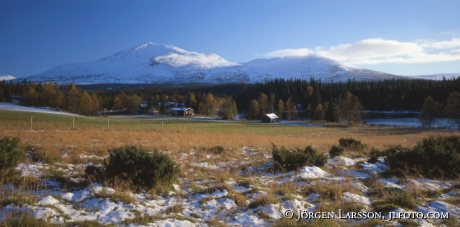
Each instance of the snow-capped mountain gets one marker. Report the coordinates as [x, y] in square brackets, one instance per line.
[161, 64]
[439, 76]
[6, 77]
[307, 67]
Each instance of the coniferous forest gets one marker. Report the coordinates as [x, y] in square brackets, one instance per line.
[292, 99]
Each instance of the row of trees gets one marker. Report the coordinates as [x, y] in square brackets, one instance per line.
[432, 109]
[76, 100]
[348, 109]
[289, 99]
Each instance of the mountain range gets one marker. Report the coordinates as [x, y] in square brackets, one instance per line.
[6, 77]
[165, 64]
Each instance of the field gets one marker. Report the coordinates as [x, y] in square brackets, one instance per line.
[234, 186]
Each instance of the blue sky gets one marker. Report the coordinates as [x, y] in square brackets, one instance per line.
[411, 37]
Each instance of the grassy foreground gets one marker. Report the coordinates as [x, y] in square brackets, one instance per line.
[54, 133]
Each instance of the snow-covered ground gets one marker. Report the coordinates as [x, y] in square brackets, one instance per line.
[185, 206]
[16, 107]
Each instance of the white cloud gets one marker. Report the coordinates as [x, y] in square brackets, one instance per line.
[455, 42]
[377, 51]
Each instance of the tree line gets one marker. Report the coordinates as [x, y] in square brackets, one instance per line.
[290, 99]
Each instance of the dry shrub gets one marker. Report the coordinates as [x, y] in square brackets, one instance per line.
[289, 160]
[286, 189]
[143, 170]
[239, 199]
[433, 157]
[264, 201]
[390, 199]
[331, 190]
[351, 144]
[176, 208]
[337, 206]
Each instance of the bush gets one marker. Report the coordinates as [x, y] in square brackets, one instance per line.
[433, 157]
[351, 144]
[336, 151]
[10, 155]
[392, 199]
[287, 160]
[217, 149]
[141, 169]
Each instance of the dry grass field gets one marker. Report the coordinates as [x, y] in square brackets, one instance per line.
[53, 133]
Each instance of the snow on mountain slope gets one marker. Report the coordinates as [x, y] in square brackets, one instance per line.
[155, 63]
[439, 76]
[307, 67]
[6, 77]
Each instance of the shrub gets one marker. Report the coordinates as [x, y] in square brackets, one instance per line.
[433, 157]
[374, 155]
[140, 168]
[351, 144]
[217, 149]
[336, 151]
[287, 160]
[25, 220]
[10, 155]
[263, 201]
[392, 199]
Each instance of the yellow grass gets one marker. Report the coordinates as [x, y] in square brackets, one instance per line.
[52, 134]
[91, 140]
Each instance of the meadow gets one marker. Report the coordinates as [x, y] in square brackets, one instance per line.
[86, 134]
[232, 186]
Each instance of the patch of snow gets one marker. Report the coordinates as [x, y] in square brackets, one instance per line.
[16, 107]
[309, 172]
[344, 161]
[429, 184]
[32, 169]
[314, 196]
[391, 183]
[354, 174]
[205, 165]
[48, 200]
[347, 196]
[439, 206]
[378, 167]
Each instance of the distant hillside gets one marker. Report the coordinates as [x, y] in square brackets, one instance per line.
[6, 77]
[164, 64]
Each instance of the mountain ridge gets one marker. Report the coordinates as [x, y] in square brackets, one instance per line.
[7, 77]
[166, 64]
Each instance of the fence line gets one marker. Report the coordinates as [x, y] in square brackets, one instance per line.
[75, 122]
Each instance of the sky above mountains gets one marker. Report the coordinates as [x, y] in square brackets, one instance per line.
[412, 37]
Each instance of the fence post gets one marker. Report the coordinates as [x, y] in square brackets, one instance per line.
[73, 122]
[31, 121]
[108, 123]
[161, 125]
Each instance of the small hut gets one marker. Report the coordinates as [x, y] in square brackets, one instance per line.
[182, 111]
[269, 118]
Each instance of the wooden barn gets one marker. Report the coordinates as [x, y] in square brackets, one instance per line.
[182, 111]
[269, 118]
